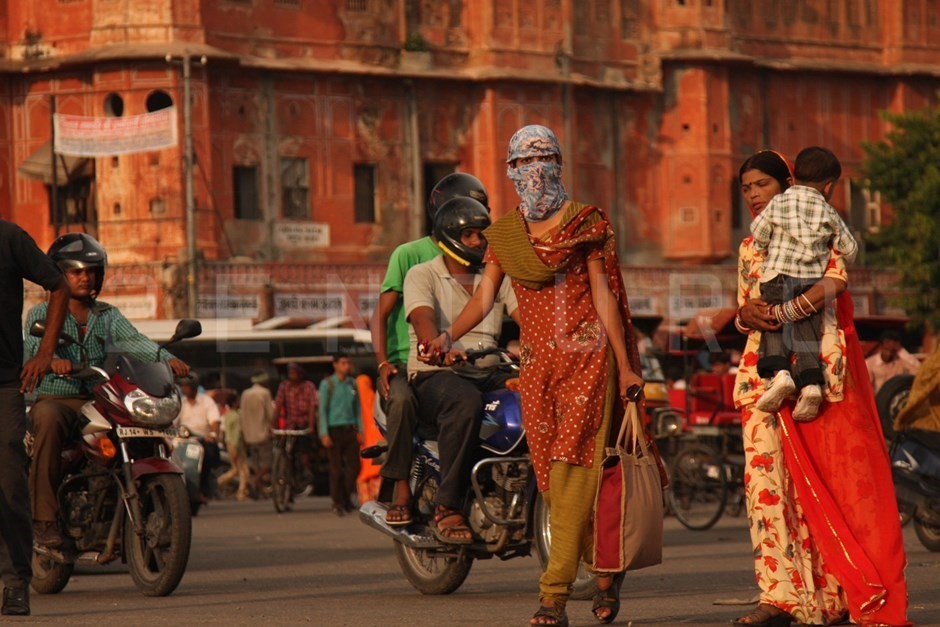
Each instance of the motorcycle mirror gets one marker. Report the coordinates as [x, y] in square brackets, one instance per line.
[186, 329]
[38, 329]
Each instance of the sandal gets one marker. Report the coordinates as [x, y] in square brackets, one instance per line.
[398, 515]
[766, 615]
[609, 598]
[451, 534]
[555, 613]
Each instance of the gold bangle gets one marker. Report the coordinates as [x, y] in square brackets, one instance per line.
[384, 363]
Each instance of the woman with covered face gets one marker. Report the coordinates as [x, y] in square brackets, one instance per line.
[578, 353]
[820, 501]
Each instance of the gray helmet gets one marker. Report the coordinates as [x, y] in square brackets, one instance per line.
[80, 250]
[452, 218]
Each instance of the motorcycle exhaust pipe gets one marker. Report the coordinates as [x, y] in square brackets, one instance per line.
[373, 514]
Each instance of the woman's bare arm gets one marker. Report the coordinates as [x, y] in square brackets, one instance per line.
[608, 310]
[473, 313]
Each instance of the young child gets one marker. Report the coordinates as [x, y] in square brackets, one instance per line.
[797, 231]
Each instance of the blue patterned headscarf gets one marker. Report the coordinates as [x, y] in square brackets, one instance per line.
[538, 183]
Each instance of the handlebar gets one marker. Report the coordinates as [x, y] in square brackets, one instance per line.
[84, 372]
[477, 353]
[290, 432]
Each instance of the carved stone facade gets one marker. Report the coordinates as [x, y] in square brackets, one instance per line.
[319, 125]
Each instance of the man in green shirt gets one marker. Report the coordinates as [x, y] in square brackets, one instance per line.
[391, 344]
[340, 428]
[58, 408]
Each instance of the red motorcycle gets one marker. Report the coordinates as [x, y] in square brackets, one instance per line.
[121, 496]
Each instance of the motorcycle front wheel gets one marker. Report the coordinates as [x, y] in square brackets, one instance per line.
[928, 535]
[282, 483]
[49, 576]
[585, 584]
[157, 558]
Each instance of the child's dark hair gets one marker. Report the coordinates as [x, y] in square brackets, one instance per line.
[338, 356]
[816, 165]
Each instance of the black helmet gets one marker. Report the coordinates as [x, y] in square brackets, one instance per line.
[452, 218]
[191, 379]
[80, 250]
[456, 185]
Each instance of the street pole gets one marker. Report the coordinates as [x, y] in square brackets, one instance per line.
[191, 276]
[53, 163]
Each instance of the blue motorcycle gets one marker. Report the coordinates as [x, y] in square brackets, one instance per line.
[506, 514]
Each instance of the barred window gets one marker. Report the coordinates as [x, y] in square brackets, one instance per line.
[357, 5]
[295, 187]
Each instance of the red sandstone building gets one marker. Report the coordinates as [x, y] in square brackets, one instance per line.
[318, 126]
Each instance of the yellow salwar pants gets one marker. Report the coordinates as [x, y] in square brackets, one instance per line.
[570, 499]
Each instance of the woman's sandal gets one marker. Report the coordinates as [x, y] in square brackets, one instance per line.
[449, 533]
[398, 515]
[766, 615]
[555, 613]
[609, 598]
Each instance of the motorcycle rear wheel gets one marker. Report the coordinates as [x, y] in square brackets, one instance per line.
[431, 572]
[49, 576]
[158, 558]
[585, 584]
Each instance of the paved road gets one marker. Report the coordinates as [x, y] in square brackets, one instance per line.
[251, 566]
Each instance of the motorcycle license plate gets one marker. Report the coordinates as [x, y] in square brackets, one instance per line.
[141, 432]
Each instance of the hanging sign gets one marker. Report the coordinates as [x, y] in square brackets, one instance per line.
[104, 137]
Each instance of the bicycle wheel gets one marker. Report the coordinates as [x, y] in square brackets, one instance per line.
[281, 481]
[698, 490]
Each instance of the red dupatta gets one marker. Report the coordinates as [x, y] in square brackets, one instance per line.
[842, 475]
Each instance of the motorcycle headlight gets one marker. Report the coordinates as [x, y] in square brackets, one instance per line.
[150, 410]
[668, 424]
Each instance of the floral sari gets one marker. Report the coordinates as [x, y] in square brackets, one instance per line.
[821, 504]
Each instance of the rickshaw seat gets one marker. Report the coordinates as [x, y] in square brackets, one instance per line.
[712, 400]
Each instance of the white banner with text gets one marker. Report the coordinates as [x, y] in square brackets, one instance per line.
[104, 137]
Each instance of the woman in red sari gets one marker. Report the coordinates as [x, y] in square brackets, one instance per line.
[578, 352]
[821, 504]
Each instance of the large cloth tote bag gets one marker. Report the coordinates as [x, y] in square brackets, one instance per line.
[628, 507]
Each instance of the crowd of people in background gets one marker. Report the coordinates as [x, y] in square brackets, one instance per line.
[241, 422]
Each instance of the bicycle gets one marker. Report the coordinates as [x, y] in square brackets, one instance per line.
[287, 472]
[707, 473]
[706, 482]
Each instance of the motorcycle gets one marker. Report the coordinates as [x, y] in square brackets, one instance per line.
[914, 451]
[505, 511]
[121, 495]
[915, 468]
[188, 454]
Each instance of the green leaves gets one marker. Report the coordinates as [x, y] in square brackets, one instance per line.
[905, 168]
